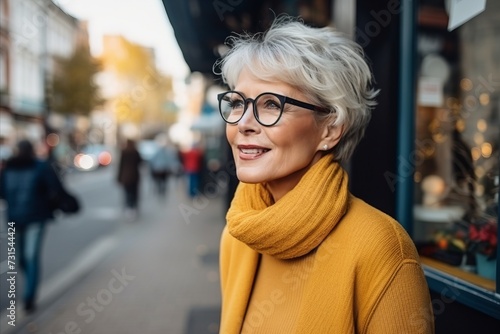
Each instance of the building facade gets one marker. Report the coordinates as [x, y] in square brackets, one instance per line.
[33, 32]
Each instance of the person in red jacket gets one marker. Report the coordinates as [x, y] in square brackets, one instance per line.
[191, 160]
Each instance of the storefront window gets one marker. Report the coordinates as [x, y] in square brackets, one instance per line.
[457, 142]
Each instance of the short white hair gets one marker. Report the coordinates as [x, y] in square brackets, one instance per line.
[326, 66]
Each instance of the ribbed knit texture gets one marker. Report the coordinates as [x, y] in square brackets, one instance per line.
[362, 273]
[298, 222]
[278, 289]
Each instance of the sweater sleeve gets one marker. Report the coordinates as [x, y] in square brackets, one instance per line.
[403, 308]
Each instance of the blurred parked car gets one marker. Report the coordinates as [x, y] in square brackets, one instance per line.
[93, 157]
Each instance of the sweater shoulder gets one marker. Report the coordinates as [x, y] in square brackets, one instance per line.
[376, 233]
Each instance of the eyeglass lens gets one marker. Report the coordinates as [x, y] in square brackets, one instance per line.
[268, 106]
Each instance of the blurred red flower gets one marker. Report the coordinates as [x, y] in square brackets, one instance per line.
[483, 238]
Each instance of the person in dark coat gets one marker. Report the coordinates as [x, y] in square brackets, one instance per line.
[129, 176]
[25, 185]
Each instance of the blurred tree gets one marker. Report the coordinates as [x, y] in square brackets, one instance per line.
[126, 59]
[140, 93]
[126, 110]
[74, 90]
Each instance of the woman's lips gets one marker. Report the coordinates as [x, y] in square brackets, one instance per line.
[248, 152]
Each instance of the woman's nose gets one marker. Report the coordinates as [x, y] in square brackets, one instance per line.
[248, 122]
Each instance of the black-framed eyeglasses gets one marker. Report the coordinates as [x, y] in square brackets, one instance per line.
[267, 107]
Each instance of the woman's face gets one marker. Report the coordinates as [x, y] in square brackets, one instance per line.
[278, 155]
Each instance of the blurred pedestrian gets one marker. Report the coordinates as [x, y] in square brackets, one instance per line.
[25, 185]
[299, 253]
[129, 177]
[192, 160]
[163, 163]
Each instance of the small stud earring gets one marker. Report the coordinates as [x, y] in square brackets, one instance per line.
[325, 147]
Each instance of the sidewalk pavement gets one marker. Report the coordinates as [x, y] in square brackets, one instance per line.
[162, 277]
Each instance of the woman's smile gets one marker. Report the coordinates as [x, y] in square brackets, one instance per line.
[251, 152]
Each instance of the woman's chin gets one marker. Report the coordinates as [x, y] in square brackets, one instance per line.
[249, 177]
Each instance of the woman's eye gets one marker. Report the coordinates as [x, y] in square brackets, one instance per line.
[270, 104]
[236, 104]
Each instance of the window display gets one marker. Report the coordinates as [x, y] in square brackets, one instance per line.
[457, 135]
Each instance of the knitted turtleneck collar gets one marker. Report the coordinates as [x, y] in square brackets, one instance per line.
[298, 222]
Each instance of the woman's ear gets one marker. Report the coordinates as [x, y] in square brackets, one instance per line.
[331, 136]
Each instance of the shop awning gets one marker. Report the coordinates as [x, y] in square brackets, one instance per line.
[201, 26]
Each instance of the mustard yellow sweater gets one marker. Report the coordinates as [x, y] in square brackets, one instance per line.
[361, 275]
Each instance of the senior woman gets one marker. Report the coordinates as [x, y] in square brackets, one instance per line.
[299, 253]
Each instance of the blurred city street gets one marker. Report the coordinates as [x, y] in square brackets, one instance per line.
[106, 91]
[103, 273]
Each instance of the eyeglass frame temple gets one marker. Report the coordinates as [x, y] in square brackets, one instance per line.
[303, 104]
